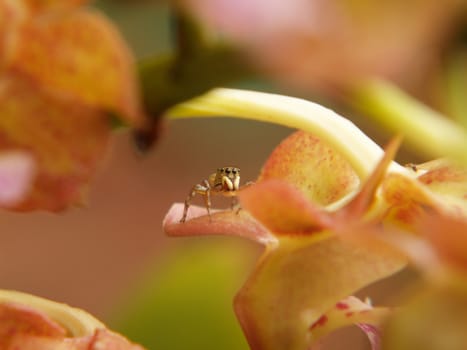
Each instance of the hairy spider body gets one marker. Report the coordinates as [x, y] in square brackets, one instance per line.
[225, 181]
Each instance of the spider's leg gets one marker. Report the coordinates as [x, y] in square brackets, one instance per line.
[234, 203]
[196, 189]
[207, 197]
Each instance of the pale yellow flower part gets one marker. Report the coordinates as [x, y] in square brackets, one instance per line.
[77, 322]
[338, 132]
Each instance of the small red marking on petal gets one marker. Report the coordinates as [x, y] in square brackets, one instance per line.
[342, 306]
[349, 314]
[321, 322]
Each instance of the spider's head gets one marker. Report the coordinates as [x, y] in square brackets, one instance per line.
[229, 178]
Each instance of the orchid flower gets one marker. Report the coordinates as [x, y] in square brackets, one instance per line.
[319, 188]
[30, 322]
[64, 70]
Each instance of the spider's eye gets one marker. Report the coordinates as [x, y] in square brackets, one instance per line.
[227, 170]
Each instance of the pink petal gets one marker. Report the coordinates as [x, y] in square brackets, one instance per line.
[17, 172]
[220, 223]
[373, 333]
[447, 237]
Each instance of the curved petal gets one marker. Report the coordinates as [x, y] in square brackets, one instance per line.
[298, 281]
[283, 209]
[316, 169]
[220, 223]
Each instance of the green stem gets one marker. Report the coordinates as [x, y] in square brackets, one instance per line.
[456, 86]
[361, 152]
[429, 131]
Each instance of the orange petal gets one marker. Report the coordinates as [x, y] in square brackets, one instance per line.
[41, 5]
[105, 339]
[407, 199]
[12, 13]
[102, 339]
[299, 281]
[304, 161]
[80, 55]
[283, 209]
[220, 223]
[22, 327]
[18, 319]
[447, 237]
[66, 139]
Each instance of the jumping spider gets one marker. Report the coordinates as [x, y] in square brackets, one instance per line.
[225, 181]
